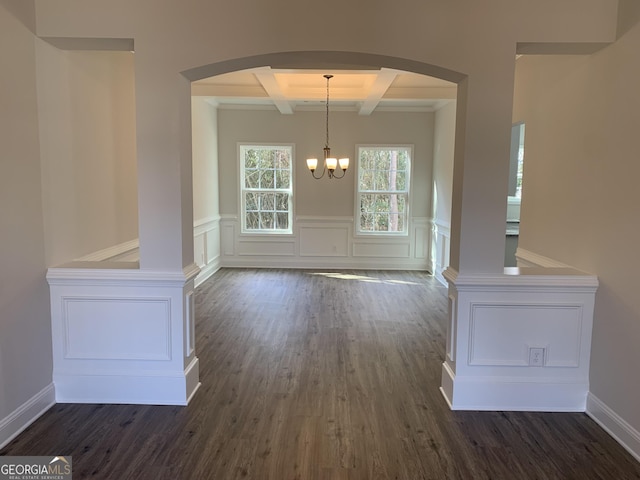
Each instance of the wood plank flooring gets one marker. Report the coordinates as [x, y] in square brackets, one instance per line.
[329, 376]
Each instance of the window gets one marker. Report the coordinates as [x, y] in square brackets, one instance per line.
[383, 189]
[266, 188]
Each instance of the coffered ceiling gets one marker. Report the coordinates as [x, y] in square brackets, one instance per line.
[361, 90]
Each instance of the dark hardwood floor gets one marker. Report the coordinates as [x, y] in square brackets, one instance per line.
[330, 376]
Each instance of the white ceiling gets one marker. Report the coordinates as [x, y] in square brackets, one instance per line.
[360, 90]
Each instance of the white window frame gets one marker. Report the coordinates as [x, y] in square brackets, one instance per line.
[359, 192]
[242, 148]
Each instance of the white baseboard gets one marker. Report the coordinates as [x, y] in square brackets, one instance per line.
[328, 263]
[614, 425]
[157, 388]
[511, 394]
[26, 414]
[438, 276]
[206, 272]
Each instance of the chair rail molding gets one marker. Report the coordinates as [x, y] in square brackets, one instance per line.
[123, 335]
[126, 251]
[520, 340]
[527, 258]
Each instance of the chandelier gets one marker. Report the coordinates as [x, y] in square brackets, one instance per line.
[330, 163]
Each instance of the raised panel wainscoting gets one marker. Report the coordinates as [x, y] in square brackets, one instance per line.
[206, 247]
[326, 242]
[123, 335]
[441, 235]
[520, 340]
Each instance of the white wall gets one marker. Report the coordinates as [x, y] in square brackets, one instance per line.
[205, 159]
[86, 103]
[205, 41]
[327, 206]
[180, 41]
[443, 146]
[579, 204]
[206, 205]
[25, 331]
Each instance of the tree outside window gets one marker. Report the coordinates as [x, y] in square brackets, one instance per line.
[383, 189]
[266, 188]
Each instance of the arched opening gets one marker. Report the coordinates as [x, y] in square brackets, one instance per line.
[338, 243]
[322, 59]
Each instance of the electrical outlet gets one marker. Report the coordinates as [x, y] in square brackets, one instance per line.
[536, 357]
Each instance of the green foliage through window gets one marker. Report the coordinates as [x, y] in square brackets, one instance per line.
[266, 188]
[383, 188]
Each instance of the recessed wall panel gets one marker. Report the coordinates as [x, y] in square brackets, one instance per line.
[381, 249]
[501, 335]
[117, 328]
[324, 241]
[262, 248]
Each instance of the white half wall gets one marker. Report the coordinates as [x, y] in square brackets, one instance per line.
[123, 335]
[520, 340]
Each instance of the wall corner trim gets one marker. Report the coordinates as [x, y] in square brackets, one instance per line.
[27, 413]
[625, 434]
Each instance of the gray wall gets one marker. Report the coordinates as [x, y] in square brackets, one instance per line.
[204, 126]
[306, 129]
[579, 204]
[443, 151]
[86, 105]
[25, 330]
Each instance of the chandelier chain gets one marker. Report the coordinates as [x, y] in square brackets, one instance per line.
[328, 77]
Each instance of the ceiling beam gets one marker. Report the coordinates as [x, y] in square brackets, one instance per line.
[268, 81]
[383, 81]
[421, 93]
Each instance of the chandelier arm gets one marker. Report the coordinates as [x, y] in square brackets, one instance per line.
[333, 175]
[313, 173]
